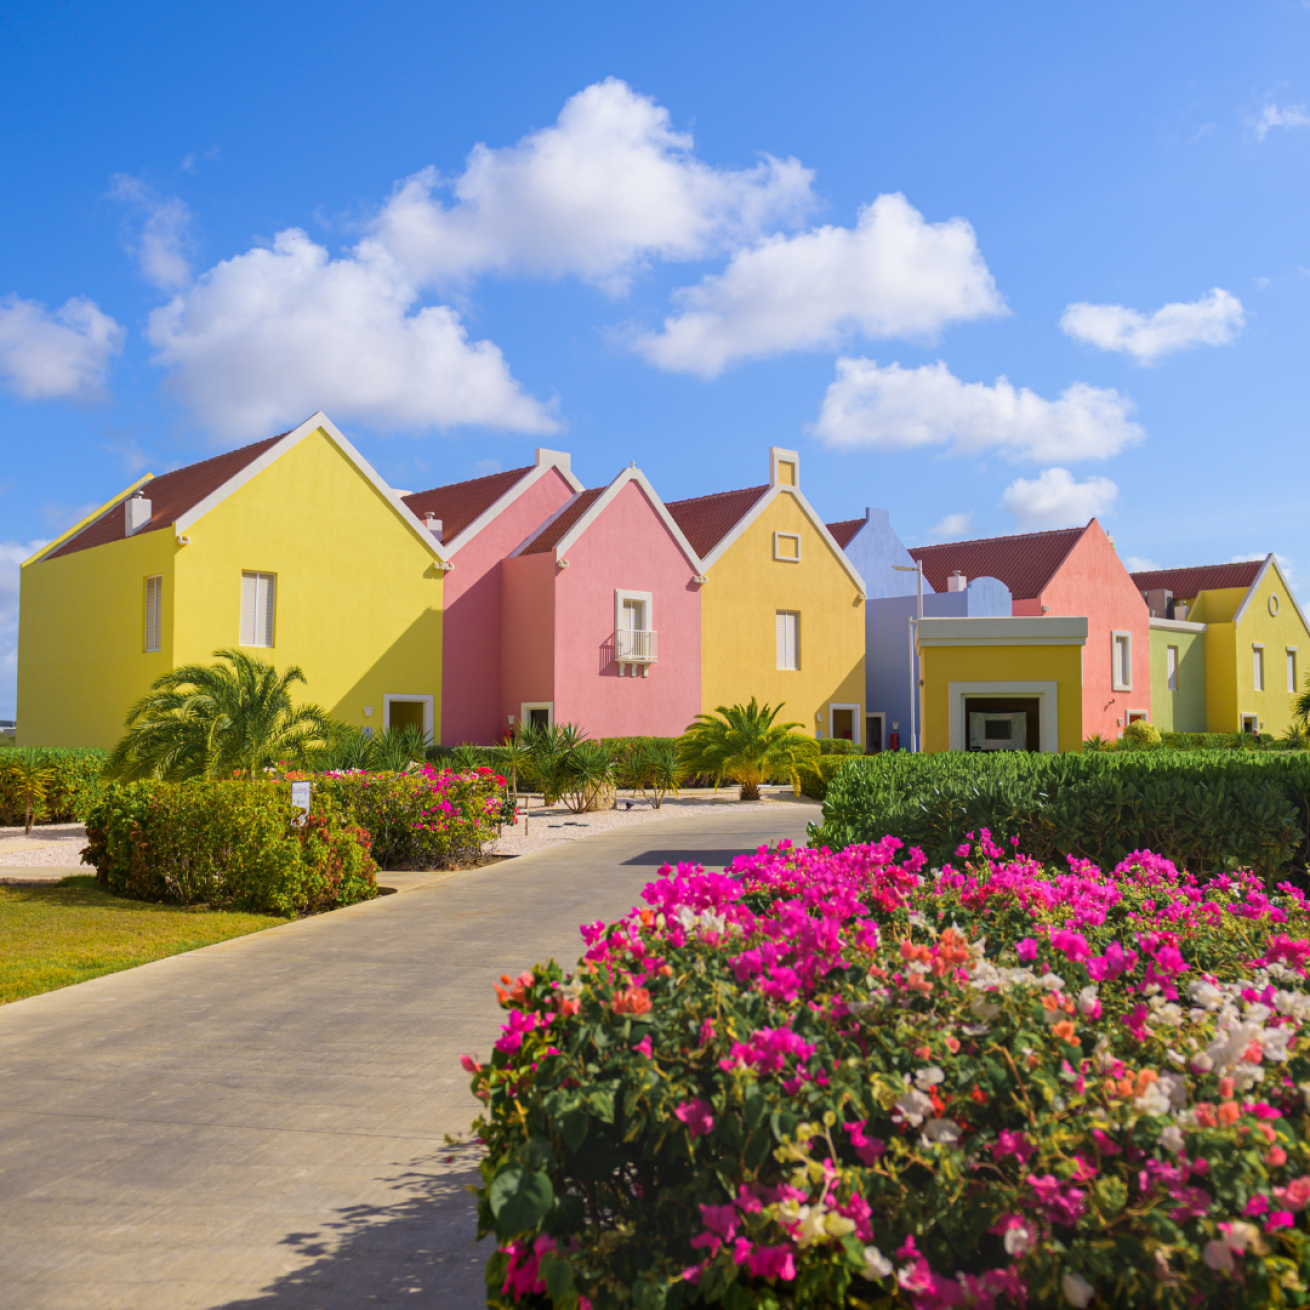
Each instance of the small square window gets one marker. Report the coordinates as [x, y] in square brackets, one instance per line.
[787, 547]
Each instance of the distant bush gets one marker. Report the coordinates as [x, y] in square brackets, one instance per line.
[1141, 735]
[1210, 811]
[839, 746]
[73, 788]
[229, 844]
[817, 777]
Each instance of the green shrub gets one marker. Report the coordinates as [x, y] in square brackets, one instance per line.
[1205, 810]
[1142, 735]
[817, 778]
[230, 844]
[839, 746]
[71, 792]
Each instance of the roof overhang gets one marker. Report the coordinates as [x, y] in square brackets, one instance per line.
[1054, 631]
[85, 523]
[1270, 563]
[1177, 625]
[546, 461]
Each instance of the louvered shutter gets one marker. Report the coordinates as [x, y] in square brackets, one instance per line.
[787, 640]
[154, 612]
[258, 608]
[249, 591]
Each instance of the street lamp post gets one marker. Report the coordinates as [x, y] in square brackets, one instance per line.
[917, 570]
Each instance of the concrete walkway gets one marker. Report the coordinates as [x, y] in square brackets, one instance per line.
[260, 1124]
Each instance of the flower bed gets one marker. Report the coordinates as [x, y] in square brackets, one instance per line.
[847, 1080]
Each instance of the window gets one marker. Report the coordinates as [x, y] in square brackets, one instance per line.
[789, 639]
[1171, 666]
[1258, 667]
[258, 604]
[155, 613]
[1122, 657]
[1291, 668]
[787, 547]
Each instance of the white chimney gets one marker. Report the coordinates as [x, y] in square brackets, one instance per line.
[434, 526]
[138, 513]
[957, 582]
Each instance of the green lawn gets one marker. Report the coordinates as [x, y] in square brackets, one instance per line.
[70, 931]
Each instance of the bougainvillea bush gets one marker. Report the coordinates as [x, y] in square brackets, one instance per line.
[850, 1080]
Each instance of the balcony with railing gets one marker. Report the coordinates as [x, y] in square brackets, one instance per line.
[634, 646]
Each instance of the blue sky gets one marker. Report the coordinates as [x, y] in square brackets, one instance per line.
[675, 236]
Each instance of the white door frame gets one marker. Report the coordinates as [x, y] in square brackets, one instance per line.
[547, 705]
[882, 736]
[425, 701]
[1048, 708]
[857, 719]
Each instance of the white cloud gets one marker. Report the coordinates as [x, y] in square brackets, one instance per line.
[12, 555]
[891, 275]
[952, 528]
[277, 333]
[66, 352]
[608, 186]
[1142, 564]
[163, 245]
[1214, 320]
[1272, 116]
[897, 408]
[1056, 499]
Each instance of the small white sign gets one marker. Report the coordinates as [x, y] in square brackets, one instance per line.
[300, 799]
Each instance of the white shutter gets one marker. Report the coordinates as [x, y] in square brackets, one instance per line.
[1291, 670]
[154, 612]
[258, 606]
[1259, 669]
[1171, 667]
[787, 637]
[249, 590]
[780, 636]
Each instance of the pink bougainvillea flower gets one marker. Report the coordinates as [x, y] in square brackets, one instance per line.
[1027, 949]
[772, 1262]
[696, 1114]
[643, 1047]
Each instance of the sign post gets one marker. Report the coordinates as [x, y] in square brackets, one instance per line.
[300, 800]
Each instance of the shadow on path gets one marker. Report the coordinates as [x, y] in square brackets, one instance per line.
[414, 1252]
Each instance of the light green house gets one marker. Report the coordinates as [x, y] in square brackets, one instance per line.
[1178, 686]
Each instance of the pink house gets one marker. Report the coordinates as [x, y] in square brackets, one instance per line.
[1072, 572]
[601, 617]
[479, 523]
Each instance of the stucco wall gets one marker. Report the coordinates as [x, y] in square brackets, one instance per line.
[746, 589]
[527, 640]
[471, 678]
[81, 640]
[1182, 710]
[628, 547]
[1276, 633]
[876, 550]
[1093, 582]
[1001, 664]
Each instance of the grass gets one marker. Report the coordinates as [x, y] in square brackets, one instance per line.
[70, 931]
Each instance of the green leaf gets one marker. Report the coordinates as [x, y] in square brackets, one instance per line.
[558, 1275]
[572, 1126]
[649, 1295]
[519, 1199]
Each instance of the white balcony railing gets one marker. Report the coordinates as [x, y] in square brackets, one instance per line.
[634, 646]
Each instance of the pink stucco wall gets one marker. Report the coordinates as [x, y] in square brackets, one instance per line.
[1093, 582]
[629, 548]
[527, 660]
[472, 675]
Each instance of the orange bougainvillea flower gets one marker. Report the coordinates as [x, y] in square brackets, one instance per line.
[518, 989]
[1064, 1030]
[1229, 1112]
[632, 1000]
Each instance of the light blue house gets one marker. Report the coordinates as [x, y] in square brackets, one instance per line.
[876, 552]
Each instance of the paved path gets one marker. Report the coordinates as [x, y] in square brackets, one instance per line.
[259, 1125]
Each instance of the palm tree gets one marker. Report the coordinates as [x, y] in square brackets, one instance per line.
[32, 773]
[742, 742]
[1301, 706]
[218, 720]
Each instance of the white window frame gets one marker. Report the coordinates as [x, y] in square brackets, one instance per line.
[1291, 661]
[1258, 665]
[1136, 716]
[1048, 709]
[643, 597]
[525, 715]
[788, 536]
[857, 719]
[154, 610]
[1125, 683]
[882, 736]
[787, 668]
[1171, 673]
[272, 624]
[1246, 720]
[390, 699]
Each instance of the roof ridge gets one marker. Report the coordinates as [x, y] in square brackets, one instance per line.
[468, 482]
[1188, 568]
[222, 454]
[1003, 536]
[713, 495]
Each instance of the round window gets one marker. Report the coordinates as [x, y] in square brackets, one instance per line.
[1273, 602]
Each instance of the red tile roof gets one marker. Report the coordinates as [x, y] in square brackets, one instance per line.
[568, 516]
[170, 496]
[459, 503]
[1189, 583]
[844, 531]
[706, 520]
[1025, 563]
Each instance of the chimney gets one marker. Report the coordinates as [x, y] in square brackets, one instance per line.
[1160, 602]
[137, 512]
[1180, 611]
[433, 525]
[957, 582]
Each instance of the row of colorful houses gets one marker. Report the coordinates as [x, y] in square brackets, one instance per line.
[470, 609]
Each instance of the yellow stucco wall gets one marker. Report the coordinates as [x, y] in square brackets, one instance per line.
[358, 603]
[1276, 633]
[739, 604]
[942, 665]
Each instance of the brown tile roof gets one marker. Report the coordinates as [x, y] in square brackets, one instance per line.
[706, 520]
[568, 516]
[844, 531]
[1025, 563]
[1189, 583]
[170, 496]
[459, 503]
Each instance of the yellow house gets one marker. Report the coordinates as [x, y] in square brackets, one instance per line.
[1256, 642]
[782, 608]
[1002, 683]
[292, 547]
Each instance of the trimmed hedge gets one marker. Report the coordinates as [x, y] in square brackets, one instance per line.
[230, 844]
[1207, 811]
[76, 786]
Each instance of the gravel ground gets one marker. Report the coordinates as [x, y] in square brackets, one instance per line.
[59, 845]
